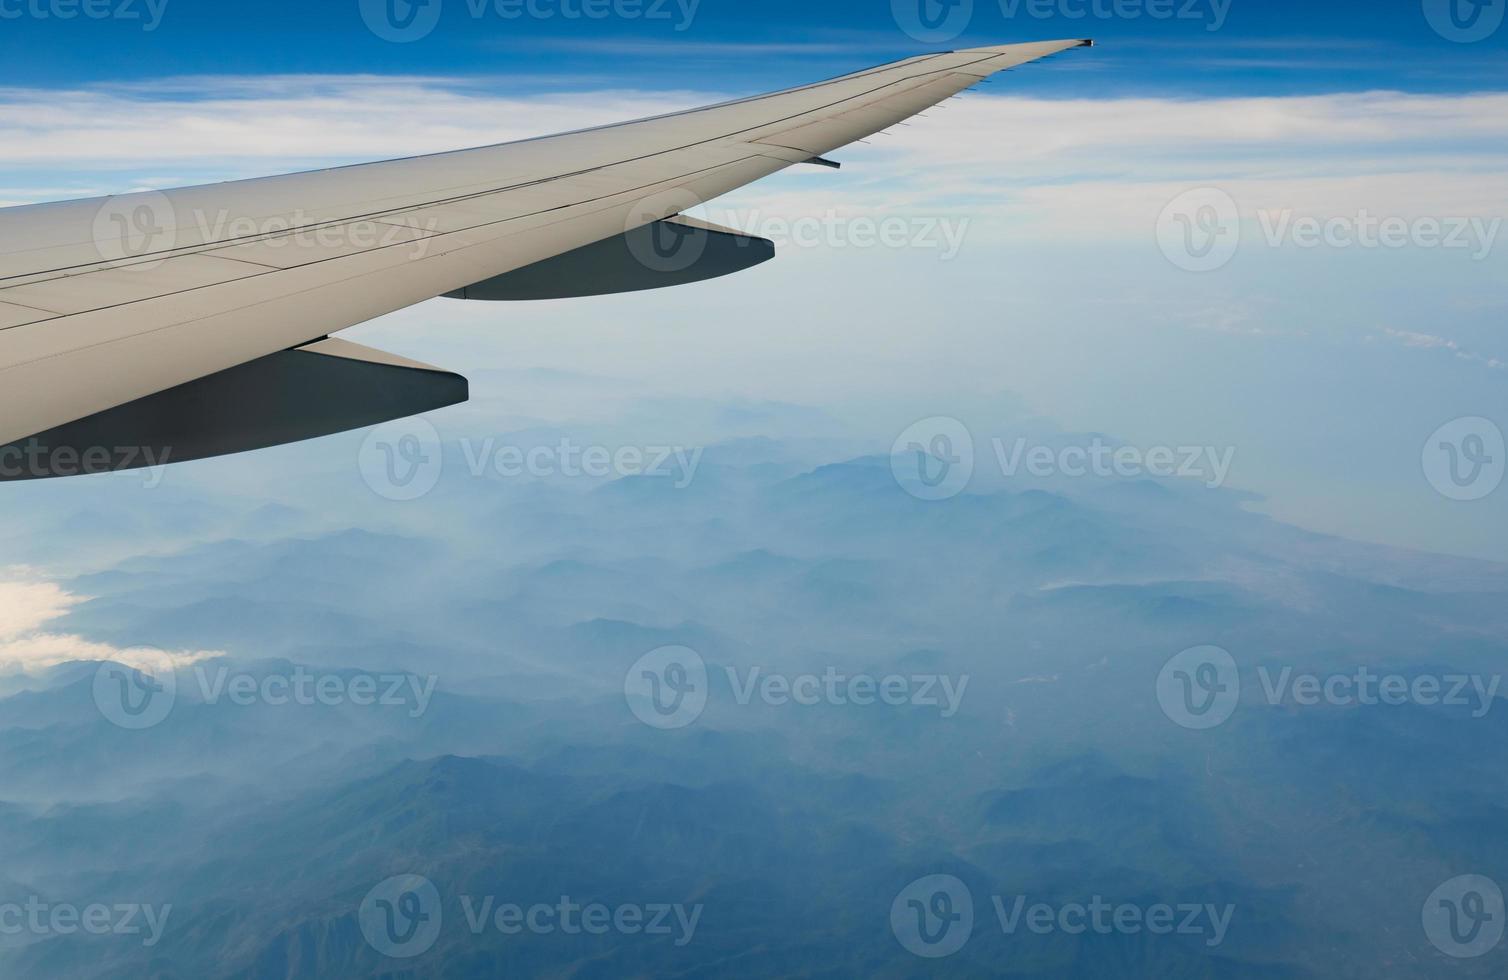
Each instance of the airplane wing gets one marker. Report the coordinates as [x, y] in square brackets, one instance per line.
[196, 321]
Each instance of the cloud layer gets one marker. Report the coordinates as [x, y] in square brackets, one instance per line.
[28, 604]
[1068, 168]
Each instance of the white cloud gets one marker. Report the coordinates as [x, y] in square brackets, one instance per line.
[1106, 168]
[260, 124]
[29, 604]
[1425, 341]
[1064, 167]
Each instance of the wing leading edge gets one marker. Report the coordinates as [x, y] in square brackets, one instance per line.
[109, 301]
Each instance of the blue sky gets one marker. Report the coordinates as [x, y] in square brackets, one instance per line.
[1204, 46]
[1327, 367]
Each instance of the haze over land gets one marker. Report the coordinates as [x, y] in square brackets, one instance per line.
[1027, 750]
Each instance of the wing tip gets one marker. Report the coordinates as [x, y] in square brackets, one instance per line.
[1053, 47]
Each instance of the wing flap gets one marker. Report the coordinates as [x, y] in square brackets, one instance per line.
[295, 249]
[16, 316]
[115, 287]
